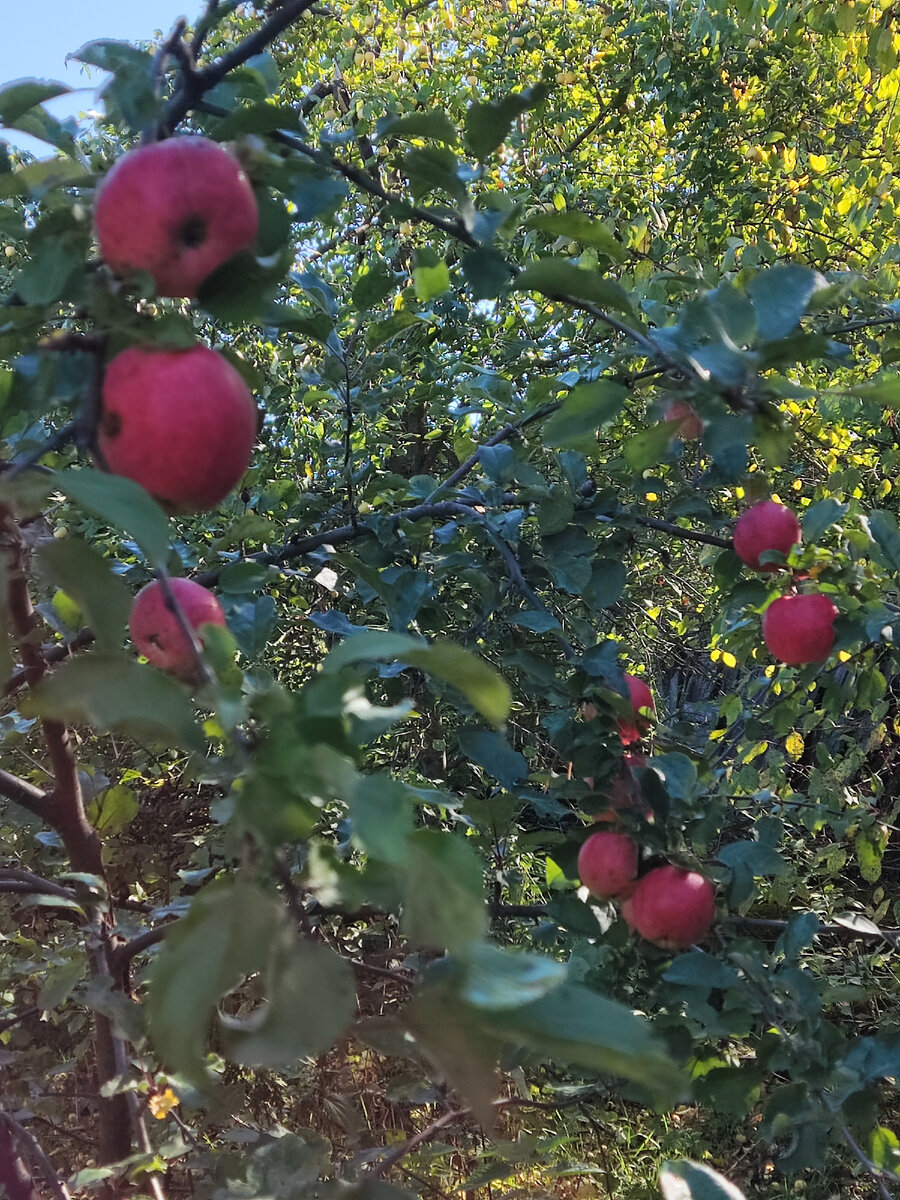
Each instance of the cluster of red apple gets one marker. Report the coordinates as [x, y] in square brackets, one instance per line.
[182, 423]
[799, 627]
[668, 905]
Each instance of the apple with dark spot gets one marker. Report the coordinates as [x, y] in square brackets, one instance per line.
[155, 629]
[177, 209]
[181, 423]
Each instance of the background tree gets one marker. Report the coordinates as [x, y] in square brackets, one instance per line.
[541, 297]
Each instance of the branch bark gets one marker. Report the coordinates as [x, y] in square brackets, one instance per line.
[196, 84]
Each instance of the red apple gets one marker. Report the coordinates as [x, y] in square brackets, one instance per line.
[607, 863]
[671, 907]
[690, 425]
[800, 629]
[155, 629]
[181, 423]
[641, 698]
[177, 209]
[765, 526]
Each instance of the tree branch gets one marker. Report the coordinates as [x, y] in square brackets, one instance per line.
[27, 882]
[34, 1152]
[25, 794]
[195, 86]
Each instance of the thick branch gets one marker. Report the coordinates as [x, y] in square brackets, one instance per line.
[31, 1148]
[25, 794]
[14, 880]
[15, 1178]
[194, 87]
[689, 535]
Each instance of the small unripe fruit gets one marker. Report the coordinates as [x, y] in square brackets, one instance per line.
[800, 629]
[689, 426]
[607, 864]
[671, 907]
[181, 423]
[178, 209]
[641, 697]
[156, 632]
[765, 526]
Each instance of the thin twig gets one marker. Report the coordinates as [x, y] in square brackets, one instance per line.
[380, 1169]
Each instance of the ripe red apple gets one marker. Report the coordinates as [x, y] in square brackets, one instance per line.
[690, 425]
[800, 629]
[607, 863]
[181, 423]
[671, 907]
[155, 629]
[177, 209]
[765, 526]
[641, 698]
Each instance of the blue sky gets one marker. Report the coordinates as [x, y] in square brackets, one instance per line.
[38, 34]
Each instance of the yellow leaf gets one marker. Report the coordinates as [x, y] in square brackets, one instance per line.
[162, 1103]
[818, 162]
[728, 659]
[794, 744]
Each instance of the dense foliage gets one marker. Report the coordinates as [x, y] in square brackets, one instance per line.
[307, 921]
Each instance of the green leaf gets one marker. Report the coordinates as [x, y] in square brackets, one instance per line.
[479, 683]
[580, 228]
[884, 390]
[558, 278]
[444, 891]
[232, 930]
[434, 124]
[110, 692]
[818, 517]
[372, 287]
[884, 1148]
[39, 178]
[646, 448]
[586, 408]
[431, 281]
[380, 332]
[383, 817]
[113, 810]
[576, 1025]
[693, 1181]
[17, 98]
[493, 752]
[123, 503]
[488, 124]
[883, 528]
[781, 296]
[59, 982]
[313, 190]
[498, 978]
[311, 999]
[88, 579]
[261, 117]
[607, 583]
[130, 96]
[486, 271]
[242, 289]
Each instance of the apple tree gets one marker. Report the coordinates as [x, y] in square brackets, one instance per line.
[448, 577]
